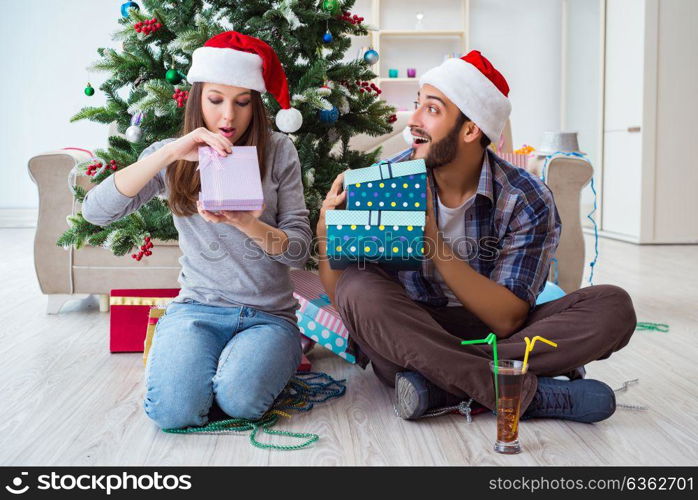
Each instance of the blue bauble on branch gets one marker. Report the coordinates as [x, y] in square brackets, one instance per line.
[327, 37]
[329, 115]
[128, 5]
[371, 56]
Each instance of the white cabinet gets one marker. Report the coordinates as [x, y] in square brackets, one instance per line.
[650, 111]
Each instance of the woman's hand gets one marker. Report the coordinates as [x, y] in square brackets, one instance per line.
[333, 200]
[239, 219]
[187, 146]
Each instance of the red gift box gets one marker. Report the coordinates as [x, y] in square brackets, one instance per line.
[129, 316]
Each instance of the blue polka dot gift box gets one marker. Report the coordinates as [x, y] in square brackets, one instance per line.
[387, 186]
[394, 239]
[317, 318]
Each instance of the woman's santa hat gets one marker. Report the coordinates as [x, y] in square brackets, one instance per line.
[477, 88]
[231, 58]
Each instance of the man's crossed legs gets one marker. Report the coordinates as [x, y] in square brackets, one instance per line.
[400, 335]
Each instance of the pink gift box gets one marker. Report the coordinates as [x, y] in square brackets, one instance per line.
[516, 159]
[230, 182]
[317, 318]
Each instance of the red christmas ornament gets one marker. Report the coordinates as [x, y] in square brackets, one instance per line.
[392, 118]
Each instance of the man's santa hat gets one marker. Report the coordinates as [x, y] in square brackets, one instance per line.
[477, 88]
[231, 58]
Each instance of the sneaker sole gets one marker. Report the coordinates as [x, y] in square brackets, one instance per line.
[410, 401]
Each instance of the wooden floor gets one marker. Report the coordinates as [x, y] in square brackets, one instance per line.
[65, 400]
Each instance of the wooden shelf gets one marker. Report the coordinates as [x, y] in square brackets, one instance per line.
[399, 41]
[420, 33]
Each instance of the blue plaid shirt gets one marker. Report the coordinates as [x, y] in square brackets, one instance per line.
[516, 228]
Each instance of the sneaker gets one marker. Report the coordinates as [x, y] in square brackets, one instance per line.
[414, 395]
[582, 400]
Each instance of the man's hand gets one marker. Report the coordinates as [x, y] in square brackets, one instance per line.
[431, 230]
[333, 200]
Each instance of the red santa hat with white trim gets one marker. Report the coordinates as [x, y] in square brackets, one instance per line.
[231, 58]
[477, 88]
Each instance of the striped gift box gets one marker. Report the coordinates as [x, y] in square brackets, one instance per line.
[317, 318]
[516, 159]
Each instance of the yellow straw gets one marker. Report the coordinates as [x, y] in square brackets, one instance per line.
[529, 347]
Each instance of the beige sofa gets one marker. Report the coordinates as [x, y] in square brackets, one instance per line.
[74, 274]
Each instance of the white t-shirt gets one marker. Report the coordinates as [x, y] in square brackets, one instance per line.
[452, 225]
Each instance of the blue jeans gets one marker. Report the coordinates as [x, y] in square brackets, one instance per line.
[241, 356]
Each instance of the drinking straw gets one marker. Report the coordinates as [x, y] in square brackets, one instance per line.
[529, 347]
[491, 339]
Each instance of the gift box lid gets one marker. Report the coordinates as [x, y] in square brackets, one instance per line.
[142, 297]
[375, 218]
[384, 170]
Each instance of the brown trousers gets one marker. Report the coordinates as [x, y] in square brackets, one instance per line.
[396, 334]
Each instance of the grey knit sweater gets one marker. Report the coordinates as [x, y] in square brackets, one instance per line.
[221, 266]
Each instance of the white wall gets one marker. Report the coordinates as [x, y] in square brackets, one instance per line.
[582, 92]
[522, 40]
[46, 47]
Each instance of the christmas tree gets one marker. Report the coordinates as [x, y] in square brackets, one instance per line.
[158, 37]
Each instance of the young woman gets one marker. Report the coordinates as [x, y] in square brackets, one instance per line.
[230, 335]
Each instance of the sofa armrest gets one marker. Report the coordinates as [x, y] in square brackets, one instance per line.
[566, 177]
[50, 172]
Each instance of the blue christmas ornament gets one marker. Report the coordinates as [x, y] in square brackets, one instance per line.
[329, 115]
[371, 56]
[327, 37]
[127, 5]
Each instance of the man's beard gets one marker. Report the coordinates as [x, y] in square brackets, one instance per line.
[443, 151]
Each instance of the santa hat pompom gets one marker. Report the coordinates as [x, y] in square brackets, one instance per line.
[289, 120]
[407, 135]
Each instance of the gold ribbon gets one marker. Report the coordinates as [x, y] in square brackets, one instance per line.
[140, 301]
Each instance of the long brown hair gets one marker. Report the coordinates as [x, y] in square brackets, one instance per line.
[183, 178]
